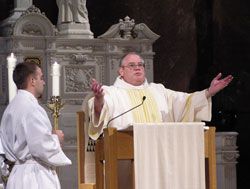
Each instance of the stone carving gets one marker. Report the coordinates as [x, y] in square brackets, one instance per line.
[230, 156]
[79, 58]
[73, 102]
[126, 26]
[4, 78]
[31, 29]
[147, 48]
[78, 79]
[99, 60]
[51, 45]
[21, 7]
[126, 29]
[230, 142]
[33, 9]
[75, 47]
[226, 159]
[30, 44]
[142, 31]
[23, 3]
[72, 11]
[121, 30]
[33, 22]
[124, 48]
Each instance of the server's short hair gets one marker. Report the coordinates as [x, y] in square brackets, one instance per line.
[21, 73]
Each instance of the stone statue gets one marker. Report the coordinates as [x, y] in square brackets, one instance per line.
[23, 3]
[72, 11]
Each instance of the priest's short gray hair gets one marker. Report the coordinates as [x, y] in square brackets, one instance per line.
[131, 53]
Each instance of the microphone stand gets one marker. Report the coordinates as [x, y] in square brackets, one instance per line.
[143, 99]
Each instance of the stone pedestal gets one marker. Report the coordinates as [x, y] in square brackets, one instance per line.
[226, 160]
[75, 30]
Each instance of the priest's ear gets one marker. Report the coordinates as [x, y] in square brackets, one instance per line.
[121, 71]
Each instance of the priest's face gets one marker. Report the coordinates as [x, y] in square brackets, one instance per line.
[132, 70]
[38, 82]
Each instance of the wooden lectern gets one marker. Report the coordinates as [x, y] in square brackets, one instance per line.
[118, 145]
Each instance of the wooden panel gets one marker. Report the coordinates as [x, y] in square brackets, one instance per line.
[87, 186]
[206, 143]
[81, 152]
[212, 158]
[110, 155]
[80, 146]
[125, 145]
[99, 167]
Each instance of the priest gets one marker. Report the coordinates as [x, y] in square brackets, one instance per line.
[160, 104]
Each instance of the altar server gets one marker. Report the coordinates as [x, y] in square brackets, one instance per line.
[27, 136]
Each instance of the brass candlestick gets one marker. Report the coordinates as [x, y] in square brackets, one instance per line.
[55, 105]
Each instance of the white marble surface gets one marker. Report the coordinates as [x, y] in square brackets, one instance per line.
[226, 160]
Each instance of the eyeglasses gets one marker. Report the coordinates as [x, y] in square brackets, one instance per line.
[133, 66]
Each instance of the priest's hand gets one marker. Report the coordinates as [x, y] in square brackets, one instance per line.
[59, 134]
[218, 84]
[97, 89]
[99, 96]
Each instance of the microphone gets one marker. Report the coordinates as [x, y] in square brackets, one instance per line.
[143, 99]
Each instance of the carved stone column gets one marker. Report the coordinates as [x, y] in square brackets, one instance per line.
[226, 159]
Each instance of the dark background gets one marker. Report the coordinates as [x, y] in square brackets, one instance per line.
[199, 39]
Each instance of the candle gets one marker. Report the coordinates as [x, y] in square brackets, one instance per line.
[55, 73]
[11, 63]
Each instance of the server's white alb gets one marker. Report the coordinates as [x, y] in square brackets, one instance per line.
[28, 140]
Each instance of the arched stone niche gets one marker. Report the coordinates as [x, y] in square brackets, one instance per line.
[34, 23]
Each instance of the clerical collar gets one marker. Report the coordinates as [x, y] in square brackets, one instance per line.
[120, 83]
